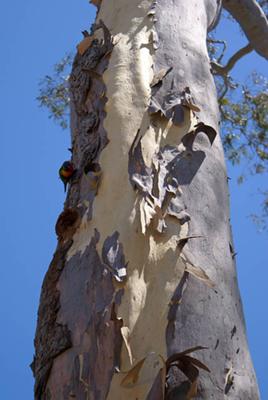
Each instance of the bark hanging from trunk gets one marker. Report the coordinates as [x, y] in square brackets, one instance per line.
[146, 276]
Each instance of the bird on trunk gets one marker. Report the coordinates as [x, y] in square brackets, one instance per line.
[66, 172]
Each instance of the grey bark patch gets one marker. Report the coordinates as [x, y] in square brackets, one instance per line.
[170, 104]
[51, 338]
[81, 369]
[139, 173]
[89, 304]
[156, 391]
[177, 391]
[113, 257]
[185, 83]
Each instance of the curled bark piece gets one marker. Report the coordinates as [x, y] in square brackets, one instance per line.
[200, 274]
[139, 173]
[208, 130]
[125, 335]
[171, 105]
[154, 39]
[132, 376]
[190, 368]
[188, 101]
[151, 13]
[113, 257]
[144, 371]
[182, 241]
[177, 356]
[159, 185]
[159, 76]
[84, 44]
[147, 213]
[229, 380]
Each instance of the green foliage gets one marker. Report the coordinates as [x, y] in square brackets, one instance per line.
[244, 121]
[54, 92]
[261, 219]
[244, 110]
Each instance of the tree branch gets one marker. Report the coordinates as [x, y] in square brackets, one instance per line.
[224, 70]
[223, 43]
[252, 20]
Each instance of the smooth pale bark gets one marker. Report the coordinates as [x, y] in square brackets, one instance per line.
[144, 268]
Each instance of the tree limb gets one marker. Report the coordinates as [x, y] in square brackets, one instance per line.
[224, 70]
[223, 43]
[252, 20]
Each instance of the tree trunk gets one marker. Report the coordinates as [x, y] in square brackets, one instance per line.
[144, 275]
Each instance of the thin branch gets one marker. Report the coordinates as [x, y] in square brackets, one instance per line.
[224, 70]
[217, 41]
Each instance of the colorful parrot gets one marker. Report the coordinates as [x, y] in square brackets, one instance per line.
[66, 172]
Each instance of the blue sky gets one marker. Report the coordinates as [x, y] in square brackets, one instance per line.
[33, 36]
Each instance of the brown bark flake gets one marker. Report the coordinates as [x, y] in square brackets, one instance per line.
[51, 338]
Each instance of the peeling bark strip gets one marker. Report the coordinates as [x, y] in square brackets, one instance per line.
[89, 305]
[113, 257]
[160, 186]
[51, 338]
[87, 91]
[92, 370]
[88, 99]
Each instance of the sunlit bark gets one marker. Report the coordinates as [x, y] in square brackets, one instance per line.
[141, 299]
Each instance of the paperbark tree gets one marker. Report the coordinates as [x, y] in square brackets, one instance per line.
[144, 274]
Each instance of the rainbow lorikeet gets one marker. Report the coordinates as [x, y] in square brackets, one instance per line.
[66, 172]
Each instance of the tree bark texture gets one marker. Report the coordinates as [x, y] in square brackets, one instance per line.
[141, 298]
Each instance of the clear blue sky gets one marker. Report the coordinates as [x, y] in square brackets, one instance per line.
[34, 35]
